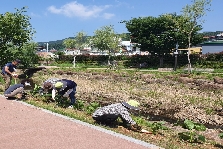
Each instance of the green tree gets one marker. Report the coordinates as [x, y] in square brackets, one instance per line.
[105, 39]
[192, 20]
[80, 40]
[153, 34]
[27, 53]
[15, 30]
[69, 43]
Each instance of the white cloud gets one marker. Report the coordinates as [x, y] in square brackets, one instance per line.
[34, 15]
[75, 9]
[108, 15]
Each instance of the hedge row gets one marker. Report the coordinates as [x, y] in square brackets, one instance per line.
[153, 61]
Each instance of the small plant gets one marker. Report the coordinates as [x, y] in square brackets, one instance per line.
[192, 125]
[191, 136]
[35, 90]
[92, 107]
[156, 126]
[221, 135]
[61, 101]
[79, 105]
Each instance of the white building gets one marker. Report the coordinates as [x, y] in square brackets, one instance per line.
[130, 47]
[72, 52]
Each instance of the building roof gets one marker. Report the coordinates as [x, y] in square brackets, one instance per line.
[213, 42]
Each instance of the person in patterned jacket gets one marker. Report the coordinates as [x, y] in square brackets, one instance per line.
[109, 114]
[48, 85]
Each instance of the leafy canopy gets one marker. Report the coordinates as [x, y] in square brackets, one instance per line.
[15, 31]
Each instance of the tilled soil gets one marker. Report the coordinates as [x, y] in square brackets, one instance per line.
[169, 97]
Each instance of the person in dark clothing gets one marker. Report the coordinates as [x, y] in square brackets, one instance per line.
[8, 72]
[66, 88]
[16, 90]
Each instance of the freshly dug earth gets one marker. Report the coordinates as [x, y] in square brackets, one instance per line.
[168, 97]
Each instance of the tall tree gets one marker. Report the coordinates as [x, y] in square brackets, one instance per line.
[192, 19]
[27, 53]
[80, 40]
[16, 30]
[154, 34]
[69, 43]
[105, 38]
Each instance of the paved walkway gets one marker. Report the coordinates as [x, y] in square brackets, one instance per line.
[23, 126]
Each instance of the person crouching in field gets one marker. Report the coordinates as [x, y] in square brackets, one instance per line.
[17, 90]
[109, 114]
[48, 85]
[65, 88]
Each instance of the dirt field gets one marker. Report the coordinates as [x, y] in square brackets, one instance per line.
[163, 96]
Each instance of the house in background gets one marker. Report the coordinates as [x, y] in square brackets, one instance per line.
[46, 57]
[213, 44]
[212, 47]
[72, 52]
[130, 47]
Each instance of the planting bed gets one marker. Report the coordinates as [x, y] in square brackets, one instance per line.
[168, 97]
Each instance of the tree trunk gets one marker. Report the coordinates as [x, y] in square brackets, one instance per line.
[161, 61]
[109, 63]
[188, 55]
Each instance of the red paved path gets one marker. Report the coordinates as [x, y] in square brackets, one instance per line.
[28, 127]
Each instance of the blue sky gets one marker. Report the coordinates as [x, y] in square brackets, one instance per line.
[59, 19]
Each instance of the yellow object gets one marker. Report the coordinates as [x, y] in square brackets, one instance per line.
[133, 103]
[59, 85]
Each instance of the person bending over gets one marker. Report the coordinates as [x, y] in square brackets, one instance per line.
[109, 114]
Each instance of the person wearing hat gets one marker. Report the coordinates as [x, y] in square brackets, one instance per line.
[48, 86]
[8, 72]
[66, 88]
[17, 90]
[109, 114]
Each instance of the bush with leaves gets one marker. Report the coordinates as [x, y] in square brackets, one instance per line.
[191, 135]
[92, 107]
[79, 105]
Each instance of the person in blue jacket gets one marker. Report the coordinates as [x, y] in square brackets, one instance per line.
[8, 72]
[65, 88]
[17, 90]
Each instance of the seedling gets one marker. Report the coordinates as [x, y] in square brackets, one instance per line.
[79, 105]
[61, 101]
[92, 107]
[192, 125]
[156, 126]
[191, 136]
[221, 135]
